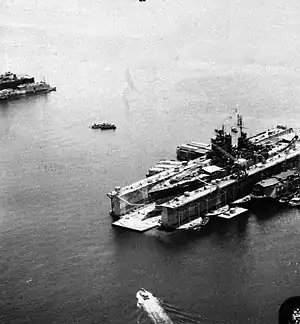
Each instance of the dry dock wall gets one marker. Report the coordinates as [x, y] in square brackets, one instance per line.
[122, 204]
[125, 199]
[228, 192]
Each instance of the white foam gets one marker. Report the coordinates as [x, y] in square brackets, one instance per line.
[152, 308]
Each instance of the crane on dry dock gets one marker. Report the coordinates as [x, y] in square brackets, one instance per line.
[240, 164]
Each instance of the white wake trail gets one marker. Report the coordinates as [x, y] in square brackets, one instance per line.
[151, 307]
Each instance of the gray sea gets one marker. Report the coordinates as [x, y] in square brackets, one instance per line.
[165, 72]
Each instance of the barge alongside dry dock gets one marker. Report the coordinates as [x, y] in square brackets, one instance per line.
[225, 174]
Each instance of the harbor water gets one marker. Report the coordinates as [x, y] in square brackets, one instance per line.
[166, 73]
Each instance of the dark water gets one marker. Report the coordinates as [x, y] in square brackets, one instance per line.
[165, 72]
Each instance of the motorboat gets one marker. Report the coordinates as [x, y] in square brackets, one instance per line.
[198, 226]
[219, 211]
[283, 200]
[295, 201]
[194, 225]
[103, 126]
[143, 293]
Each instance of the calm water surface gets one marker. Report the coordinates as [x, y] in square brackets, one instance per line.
[165, 72]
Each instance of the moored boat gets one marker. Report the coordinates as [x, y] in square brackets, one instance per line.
[283, 200]
[295, 201]
[218, 212]
[194, 225]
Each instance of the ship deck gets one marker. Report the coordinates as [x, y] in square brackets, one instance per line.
[237, 211]
[202, 192]
[156, 178]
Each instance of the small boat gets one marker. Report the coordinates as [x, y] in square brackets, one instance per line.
[234, 129]
[143, 294]
[205, 221]
[194, 225]
[295, 201]
[103, 126]
[284, 200]
[219, 211]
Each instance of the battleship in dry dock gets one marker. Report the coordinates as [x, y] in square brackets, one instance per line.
[14, 87]
[221, 177]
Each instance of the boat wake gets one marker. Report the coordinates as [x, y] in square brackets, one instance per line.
[179, 316]
[157, 311]
[151, 307]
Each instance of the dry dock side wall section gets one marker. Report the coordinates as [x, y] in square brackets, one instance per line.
[173, 217]
[124, 203]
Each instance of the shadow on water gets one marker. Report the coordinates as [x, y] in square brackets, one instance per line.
[7, 106]
[4, 106]
[218, 226]
[266, 210]
[179, 240]
[237, 225]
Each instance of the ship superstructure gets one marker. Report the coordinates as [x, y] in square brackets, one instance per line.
[225, 174]
[14, 87]
[10, 80]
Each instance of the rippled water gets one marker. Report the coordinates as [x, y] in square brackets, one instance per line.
[165, 72]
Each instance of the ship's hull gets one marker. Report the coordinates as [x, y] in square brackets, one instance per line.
[22, 93]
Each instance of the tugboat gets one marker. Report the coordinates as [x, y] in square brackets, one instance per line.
[103, 126]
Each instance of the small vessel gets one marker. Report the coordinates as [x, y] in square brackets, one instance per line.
[103, 126]
[152, 308]
[194, 225]
[234, 129]
[283, 200]
[295, 201]
[218, 212]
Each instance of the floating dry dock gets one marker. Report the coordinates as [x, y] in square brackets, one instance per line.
[226, 174]
[136, 195]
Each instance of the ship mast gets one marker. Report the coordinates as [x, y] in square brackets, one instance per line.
[240, 123]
